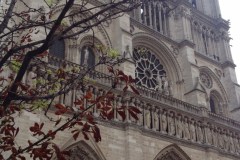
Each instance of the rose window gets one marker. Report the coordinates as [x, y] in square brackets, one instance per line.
[206, 80]
[148, 68]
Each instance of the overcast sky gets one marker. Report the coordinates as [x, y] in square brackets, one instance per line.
[230, 10]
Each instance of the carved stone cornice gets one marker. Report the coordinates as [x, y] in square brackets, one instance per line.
[228, 64]
[186, 43]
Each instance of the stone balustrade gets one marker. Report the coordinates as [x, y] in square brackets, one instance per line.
[163, 115]
[169, 117]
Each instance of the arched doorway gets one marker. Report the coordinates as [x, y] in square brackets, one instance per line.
[82, 151]
[172, 152]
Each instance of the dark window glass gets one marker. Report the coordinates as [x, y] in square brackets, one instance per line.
[212, 105]
[57, 49]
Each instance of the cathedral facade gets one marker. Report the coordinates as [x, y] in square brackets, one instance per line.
[179, 53]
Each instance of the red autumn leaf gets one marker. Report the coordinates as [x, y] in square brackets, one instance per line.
[110, 115]
[17, 130]
[131, 80]
[75, 135]
[133, 114]
[96, 134]
[20, 157]
[89, 118]
[59, 153]
[86, 127]
[61, 109]
[85, 135]
[122, 114]
[123, 78]
[125, 88]
[44, 54]
[36, 129]
[78, 102]
[134, 90]
[58, 121]
[52, 134]
[120, 73]
[24, 87]
[89, 95]
[135, 109]
[110, 69]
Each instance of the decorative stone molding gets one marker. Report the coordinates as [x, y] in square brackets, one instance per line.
[172, 152]
[198, 127]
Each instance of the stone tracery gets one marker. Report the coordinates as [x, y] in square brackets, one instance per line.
[83, 151]
[172, 152]
[150, 72]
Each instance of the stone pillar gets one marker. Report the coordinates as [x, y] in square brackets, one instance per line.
[179, 126]
[171, 124]
[163, 121]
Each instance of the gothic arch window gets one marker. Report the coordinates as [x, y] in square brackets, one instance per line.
[82, 151]
[149, 69]
[172, 152]
[215, 102]
[57, 49]
[87, 56]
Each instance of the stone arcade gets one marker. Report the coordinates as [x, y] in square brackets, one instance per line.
[179, 53]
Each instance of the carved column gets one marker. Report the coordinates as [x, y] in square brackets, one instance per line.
[146, 117]
[144, 14]
[215, 137]
[156, 119]
[199, 133]
[125, 102]
[225, 140]
[160, 18]
[220, 139]
[119, 104]
[163, 121]
[179, 126]
[141, 116]
[164, 20]
[186, 134]
[154, 15]
[115, 104]
[152, 110]
[171, 124]
[231, 143]
[150, 13]
[132, 103]
[236, 143]
[192, 130]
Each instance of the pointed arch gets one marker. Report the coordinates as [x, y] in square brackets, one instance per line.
[216, 102]
[172, 152]
[161, 50]
[222, 91]
[165, 57]
[99, 27]
[81, 150]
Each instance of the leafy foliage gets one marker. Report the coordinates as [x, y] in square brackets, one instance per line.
[30, 83]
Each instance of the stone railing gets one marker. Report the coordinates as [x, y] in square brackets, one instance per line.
[164, 115]
[94, 75]
[168, 117]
